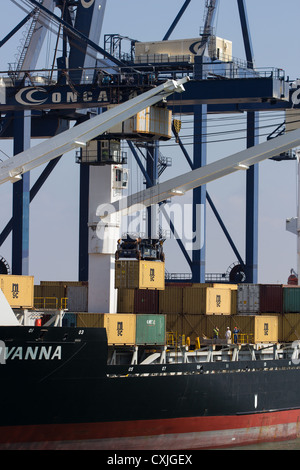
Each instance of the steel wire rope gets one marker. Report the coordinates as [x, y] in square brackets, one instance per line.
[50, 23]
[214, 123]
[235, 131]
[240, 119]
[238, 115]
[215, 141]
[243, 123]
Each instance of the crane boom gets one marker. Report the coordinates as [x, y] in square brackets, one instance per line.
[195, 178]
[78, 136]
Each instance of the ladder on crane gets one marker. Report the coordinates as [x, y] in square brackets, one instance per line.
[32, 42]
[26, 43]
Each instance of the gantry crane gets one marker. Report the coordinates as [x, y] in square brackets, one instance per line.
[82, 32]
[104, 218]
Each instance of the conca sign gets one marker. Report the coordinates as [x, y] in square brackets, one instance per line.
[38, 96]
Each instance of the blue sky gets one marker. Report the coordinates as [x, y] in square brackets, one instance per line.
[54, 212]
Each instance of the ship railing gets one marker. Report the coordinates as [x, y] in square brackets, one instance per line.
[175, 340]
[245, 338]
[51, 303]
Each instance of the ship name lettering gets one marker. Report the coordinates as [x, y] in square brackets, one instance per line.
[48, 353]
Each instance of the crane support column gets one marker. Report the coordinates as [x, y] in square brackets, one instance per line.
[103, 237]
[252, 173]
[252, 205]
[152, 171]
[199, 194]
[21, 198]
[83, 261]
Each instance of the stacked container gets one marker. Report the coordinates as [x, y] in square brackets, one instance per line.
[18, 290]
[271, 298]
[254, 299]
[205, 299]
[201, 299]
[171, 299]
[137, 301]
[252, 328]
[140, 274]
[55, 295]
[291, 299]
[248, 299]
[150, 330]
[77, 298]
[127, 329]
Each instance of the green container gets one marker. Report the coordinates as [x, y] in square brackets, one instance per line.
[150, 329]
[291, 299]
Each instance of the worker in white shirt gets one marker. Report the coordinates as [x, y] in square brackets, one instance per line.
[228, 335]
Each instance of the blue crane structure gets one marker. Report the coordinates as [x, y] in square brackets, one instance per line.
[79, 90]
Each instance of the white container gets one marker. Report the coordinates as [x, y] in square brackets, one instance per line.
[77, 298]
[178, 50]
[248, 299]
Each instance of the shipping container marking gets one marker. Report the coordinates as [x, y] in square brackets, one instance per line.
[15, 290]
[120, 328]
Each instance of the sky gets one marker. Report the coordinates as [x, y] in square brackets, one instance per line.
[54, 212]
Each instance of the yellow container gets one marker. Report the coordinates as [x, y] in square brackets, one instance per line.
[49, 296]
[63, 283]
[266, 329]
[125, 301]
[120, 327]
[89, 320]
[207, 300]
[140, 275]
[18, 290]
[252, 328]
[233, 287]
[257, 328]
[170, 300]
[218, 301]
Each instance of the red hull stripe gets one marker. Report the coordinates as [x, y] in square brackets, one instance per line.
[126, 429]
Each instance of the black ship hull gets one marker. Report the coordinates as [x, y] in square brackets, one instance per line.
[58, 393]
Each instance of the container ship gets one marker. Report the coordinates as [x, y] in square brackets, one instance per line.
[130, 381]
